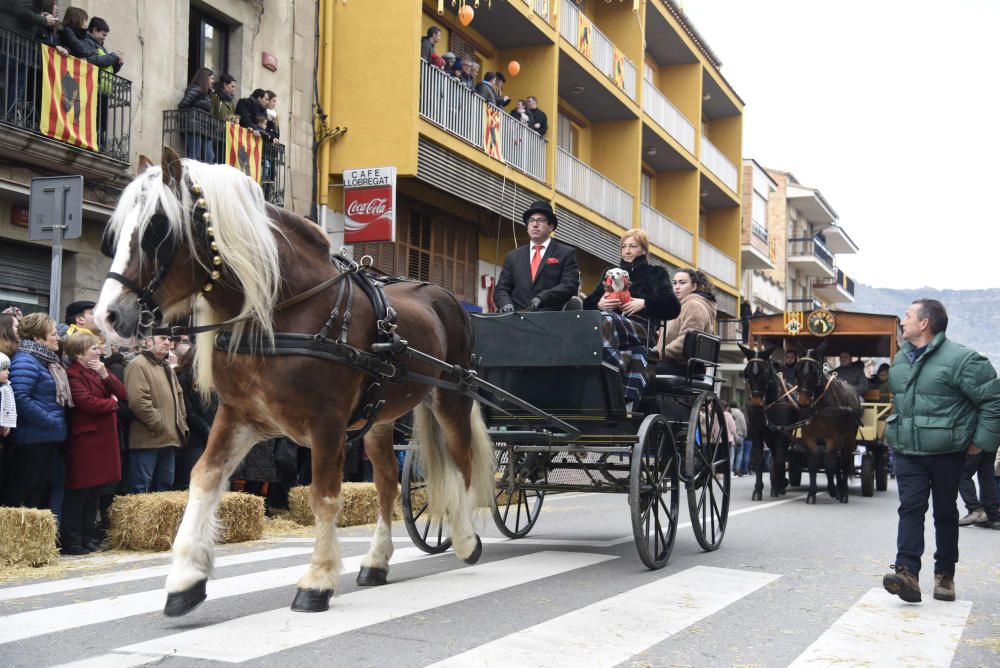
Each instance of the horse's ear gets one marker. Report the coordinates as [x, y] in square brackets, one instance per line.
[821, 348]
[747, 352]
[173, 170]
[144, 164]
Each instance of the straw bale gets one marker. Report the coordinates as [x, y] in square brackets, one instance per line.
[27, 537]
[359, 505]
[150, 521]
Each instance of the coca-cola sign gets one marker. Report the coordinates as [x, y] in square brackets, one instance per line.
[369, 205]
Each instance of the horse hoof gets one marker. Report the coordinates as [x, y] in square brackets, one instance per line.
[843, 499]
[372, 577]
[312, 600]
[757, 496]
[476, 553]
[811, 499]
[774, 493]
[182, 602]
[782, 491]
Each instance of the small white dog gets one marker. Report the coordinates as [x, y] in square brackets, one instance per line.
[616, 285]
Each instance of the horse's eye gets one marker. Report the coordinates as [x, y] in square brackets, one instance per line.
[107, 246]
[157, 232]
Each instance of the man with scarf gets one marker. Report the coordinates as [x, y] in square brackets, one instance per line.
[42, 395]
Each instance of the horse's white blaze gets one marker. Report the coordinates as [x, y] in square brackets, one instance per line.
[381, 548]
[112, 289]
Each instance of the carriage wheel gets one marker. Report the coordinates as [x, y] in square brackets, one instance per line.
[867, 474]
[881, 468]
[706, 466]
[428, 533]
[654, 491]
[515, 511]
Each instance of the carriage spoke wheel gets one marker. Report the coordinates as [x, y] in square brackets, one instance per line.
[428, 533]
[706, 467]
[515, 510]
[654, 491]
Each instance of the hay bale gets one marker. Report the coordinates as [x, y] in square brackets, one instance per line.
[150, 521]
[27, 537]
[359, 505]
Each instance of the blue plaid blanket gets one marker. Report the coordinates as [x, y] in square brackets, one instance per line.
[624, 346]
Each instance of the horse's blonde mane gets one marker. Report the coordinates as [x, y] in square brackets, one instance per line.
[246, 240]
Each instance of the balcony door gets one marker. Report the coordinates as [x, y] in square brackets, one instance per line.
[208, 44]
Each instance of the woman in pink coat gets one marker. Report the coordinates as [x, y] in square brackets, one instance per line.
[93, 441]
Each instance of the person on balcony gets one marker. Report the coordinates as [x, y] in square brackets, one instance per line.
[49, 34]
[485, 88]
[224, 99]
[429, 41]
[249, 108]
[73, 34]
[498, 82]
[196, 128]
[109, 62]
[539, 121]
[22, 18]
[272, 115]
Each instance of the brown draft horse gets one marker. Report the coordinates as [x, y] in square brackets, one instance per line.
[835, 411]
[767, 409]
[191, 238]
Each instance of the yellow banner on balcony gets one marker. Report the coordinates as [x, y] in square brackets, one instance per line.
[243, 150]
[491, 131]
[619, 68]
[585, 34]
[69, 99]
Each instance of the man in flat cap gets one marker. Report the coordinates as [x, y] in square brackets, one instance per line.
[80, 318]
[541, 276]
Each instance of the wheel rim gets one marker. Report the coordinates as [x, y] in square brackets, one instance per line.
[654, 492]
[708, 472]
[430, 534]
[515, 511]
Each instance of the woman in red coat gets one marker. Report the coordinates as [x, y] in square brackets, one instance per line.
[93, 441]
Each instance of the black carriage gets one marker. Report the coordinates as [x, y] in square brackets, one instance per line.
[559, 422]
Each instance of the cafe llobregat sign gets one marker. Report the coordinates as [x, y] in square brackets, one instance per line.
[369, 205]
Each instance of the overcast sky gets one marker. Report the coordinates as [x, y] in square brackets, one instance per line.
[892, 109]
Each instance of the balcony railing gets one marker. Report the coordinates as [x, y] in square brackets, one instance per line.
[602, 49]
[715, 262]
[21, 97]
[730, 331]
[541, 8]
[448, 103]
[758, 230]
[667, 116]
[803, 304]
[196, 134]
[810, 246]
[843, 281]
[588, 187]
[719, 164]
[666, 233]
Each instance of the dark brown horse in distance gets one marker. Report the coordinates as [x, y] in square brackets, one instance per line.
[190, 238]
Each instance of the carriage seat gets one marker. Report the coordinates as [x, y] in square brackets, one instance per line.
[701, 351]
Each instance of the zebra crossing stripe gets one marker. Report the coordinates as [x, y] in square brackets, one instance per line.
[613, 630]
[242, 639]
[881, 630]
[103, 579]
[23, 625]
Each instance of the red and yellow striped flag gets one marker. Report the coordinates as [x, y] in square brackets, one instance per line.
[491, 131]
[584, 29]
[243, 150]
[618, 59]
[69, 99]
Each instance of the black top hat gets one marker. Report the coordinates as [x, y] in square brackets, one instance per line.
[75, 309]
[541, 206]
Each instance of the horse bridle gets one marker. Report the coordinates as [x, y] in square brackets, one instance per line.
[833, 376]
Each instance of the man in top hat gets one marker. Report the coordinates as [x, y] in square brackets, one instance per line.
[541, 276]
[80, 318]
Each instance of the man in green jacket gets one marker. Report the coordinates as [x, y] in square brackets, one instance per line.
[947, 400]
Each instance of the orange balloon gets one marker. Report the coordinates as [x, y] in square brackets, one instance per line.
[513, 67]
[466, 14]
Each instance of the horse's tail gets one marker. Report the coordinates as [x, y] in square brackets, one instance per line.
[445, 484]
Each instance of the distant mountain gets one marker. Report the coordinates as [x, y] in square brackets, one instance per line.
[973, 315]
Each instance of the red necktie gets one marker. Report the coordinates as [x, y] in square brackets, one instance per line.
[536, 261]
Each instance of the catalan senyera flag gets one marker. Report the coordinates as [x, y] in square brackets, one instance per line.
[585, 31]
[619, 68]
[69, 99]
[491, 131]
[243, 150]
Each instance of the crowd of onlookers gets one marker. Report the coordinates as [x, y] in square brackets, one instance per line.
[490, 87]
[81, 422]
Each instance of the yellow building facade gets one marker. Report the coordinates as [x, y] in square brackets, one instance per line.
[643, 131]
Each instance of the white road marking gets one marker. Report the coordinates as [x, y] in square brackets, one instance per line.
[30, 624]
[615, 629]
[242, 640]
[882, 630]
[114, 661]
[102, 579]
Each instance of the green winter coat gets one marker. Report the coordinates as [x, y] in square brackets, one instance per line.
[945, 401]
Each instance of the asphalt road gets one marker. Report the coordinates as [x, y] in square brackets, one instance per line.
[791, 585]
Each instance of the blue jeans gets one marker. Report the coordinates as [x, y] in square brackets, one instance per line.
[747, 449]
[152, 469]
[736, 457]
[917, 478]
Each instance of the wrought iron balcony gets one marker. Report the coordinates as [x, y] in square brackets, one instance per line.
[805, 304]
[22, 104]
[835, 290]
[196, 134]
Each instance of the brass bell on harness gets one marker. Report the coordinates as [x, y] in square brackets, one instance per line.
[207, 217]
[214, 246]
[216, 275]
[210, 231]
[207, 287]
[201, 203]
[217, 260]
[196, 189]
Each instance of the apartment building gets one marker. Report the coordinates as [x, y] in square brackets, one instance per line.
[268, 44]
[643, 131]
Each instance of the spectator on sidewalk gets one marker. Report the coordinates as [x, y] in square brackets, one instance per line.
[8, 416]
[429, 41]
[159, 426]
[196, 131]
[92, 456]
[199, 413]
[984, 507]
[80, 318]
[9, 340]
[739, 441]
[539, 121]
